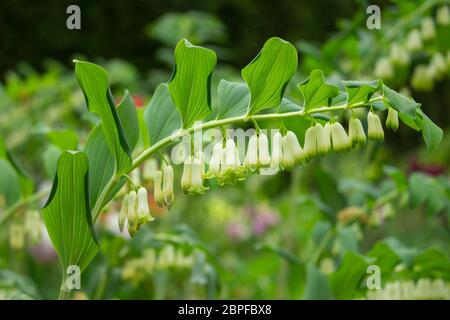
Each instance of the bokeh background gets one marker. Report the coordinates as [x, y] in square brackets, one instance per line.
[309, 233]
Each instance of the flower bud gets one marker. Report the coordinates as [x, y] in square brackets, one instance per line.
[168, 185]
[438, 65]
[356, 132]
[294, 145]
[384, 69]
[157, 188]
[131, 213]
[375, 129]
[263, 151]
[214, 164]
[251, 158]
[231, 161]
[443, 16]
[143, 211]
[277, 151]
[187, 175]
[399, 56]
[392, 119]
[310, 146]
[16, 236]
[427, 28]
[288, 156]
[33, 226]
[414, 40]
[323, 138]
[123, 212]
[339, 137]
[422, 78]
[197, 173]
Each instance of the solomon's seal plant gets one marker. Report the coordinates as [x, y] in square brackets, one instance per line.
[124, 144]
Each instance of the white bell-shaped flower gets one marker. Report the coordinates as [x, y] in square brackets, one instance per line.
[392, 119]
[263, 151]
[288, 156]
[310, 146]
[168, 185]
[143, 210]
[157, 188]
[214, 163]
[187, 175]
[339, 137]
[356, 132]
[277, 150]
[323, 138]
[251, 157]
[375, 129]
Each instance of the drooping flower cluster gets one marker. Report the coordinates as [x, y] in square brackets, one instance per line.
[134, 211]
[284, 152]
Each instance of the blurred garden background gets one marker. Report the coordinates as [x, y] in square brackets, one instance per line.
[306, 234]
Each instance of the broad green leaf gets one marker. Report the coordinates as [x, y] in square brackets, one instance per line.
[348, 240]
[406, 254]
[9, 183]
[345, 282]
[412, 122]
[269, 73]
[101, 160]
[94, 82]
[14, 182]
[101, 163]
[161, 116]
[431, 133]
[50, 158]
[233, 99]
[432, 262]
[287, 105]
[401, 103]
[317, 285]
[63, 139]
[361, 91]
[190, 84]
[385, 257]
[316, 92]
[67, 214]
[128, 117]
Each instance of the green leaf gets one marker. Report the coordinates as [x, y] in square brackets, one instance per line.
[161, 116]
[269, 73]
[432, 262]
[9, 183]
[287, 105]
[14, 182]
[361, 91]
[94, 82]
[50, 158]
[316, 92]
[233, 100]
[385, 257]
[67, 214]
[401, 103]
[101, 160]
[191, 81]
[128, 117]
[317, 285]
[431, 133]
[345, 282]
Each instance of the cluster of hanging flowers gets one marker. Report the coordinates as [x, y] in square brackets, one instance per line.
[135, 210]
[284, 152]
